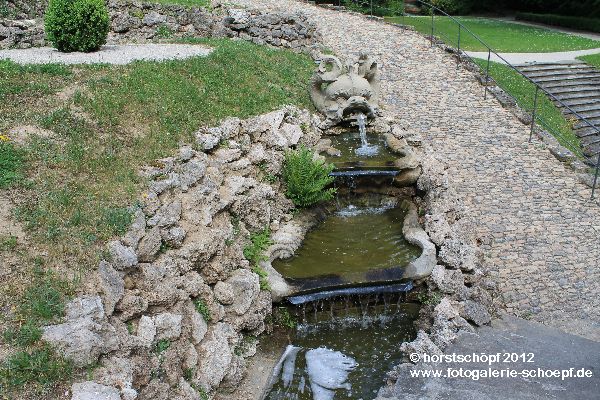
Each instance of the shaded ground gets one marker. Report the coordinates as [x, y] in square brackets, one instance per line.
[542, 357]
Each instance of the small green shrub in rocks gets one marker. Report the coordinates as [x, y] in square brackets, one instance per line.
[307, 178]
[255, 253]
[77, 25]
[202, 308]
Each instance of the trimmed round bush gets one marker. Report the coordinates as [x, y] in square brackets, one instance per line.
[77, 25]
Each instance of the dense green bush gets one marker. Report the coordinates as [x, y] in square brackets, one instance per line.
[454, 7]
[306, 179]
[77, 25]
[581, 8]
[381, 8]
[586, 24]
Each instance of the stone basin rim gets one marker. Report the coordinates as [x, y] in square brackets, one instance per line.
[340, 290]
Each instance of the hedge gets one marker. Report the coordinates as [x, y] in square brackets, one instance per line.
[578, 8]
[584, 24]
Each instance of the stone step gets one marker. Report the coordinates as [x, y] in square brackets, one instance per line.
[552, 66]
[561, 72]
[584, 94]
[579, 103]
[592, 151]
[574, 89]
[570, 82]
[563, 78]
[590, 140]
[585, 132]
[595, 121]
[585, 111]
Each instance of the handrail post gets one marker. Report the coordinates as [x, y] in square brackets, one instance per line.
[596, 176]
[432, 28]
[458, 60]
[535, 100]
[487, 75]
[371, 8]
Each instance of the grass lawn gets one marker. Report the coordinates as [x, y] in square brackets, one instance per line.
[74, 174]
[499, 35]
[593, 59]
[524, 92]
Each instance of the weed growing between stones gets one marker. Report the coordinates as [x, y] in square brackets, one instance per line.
[266, 175]
[430, 299]
[161, 346]
[245, 344]
[283, 318]
[202, 308]
[307, 178]
[164, 32]
[255, 253]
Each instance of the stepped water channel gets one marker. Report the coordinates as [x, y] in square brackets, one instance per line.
[351, 302]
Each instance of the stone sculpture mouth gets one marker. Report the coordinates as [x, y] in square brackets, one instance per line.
[355, 106]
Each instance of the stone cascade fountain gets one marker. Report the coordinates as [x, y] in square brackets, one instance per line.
[349, 278]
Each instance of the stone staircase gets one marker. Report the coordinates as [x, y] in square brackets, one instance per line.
[577, 85]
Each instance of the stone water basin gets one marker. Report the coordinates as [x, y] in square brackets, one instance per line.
[342, 358]
[349, 141]
[359, 242]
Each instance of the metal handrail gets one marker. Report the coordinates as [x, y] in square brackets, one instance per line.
[534, 117]
[536, 85]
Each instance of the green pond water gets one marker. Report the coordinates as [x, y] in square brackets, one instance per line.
[347, 143]
[350, 243]
[344, 358]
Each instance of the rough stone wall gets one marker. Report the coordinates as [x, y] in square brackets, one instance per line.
[141, 316]
[133, 21]
[21, 33]
[22, 9]
[289, 30]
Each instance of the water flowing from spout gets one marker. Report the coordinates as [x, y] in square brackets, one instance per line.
[365, 149]
[362, 129]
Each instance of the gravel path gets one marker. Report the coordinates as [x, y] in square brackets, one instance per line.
[540, 232]
[109, 54]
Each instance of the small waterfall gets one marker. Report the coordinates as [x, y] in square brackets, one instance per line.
[365, 149]
[362, 129]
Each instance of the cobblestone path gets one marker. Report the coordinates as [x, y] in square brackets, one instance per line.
[543, 233]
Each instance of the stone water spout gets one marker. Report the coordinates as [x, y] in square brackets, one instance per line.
[343, 92]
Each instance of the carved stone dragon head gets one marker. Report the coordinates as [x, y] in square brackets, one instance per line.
[341, 92]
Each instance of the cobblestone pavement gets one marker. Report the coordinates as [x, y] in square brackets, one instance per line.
[541, 232]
